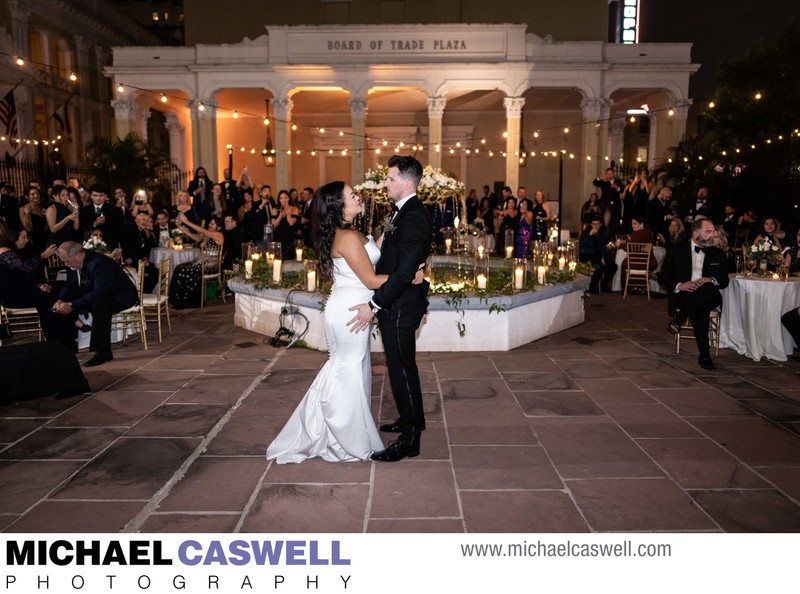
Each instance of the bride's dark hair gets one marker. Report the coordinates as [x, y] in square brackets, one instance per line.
[327, 212]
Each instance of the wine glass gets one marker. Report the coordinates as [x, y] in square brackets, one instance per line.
[751, 266]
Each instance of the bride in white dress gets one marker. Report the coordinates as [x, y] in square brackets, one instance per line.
[334, 420]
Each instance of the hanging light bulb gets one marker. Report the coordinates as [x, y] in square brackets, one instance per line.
[120, 88]
[73, 77]
[566, 130]
[294, 127]
[235, 115]
[758, 96]
[201, 107]
[163, 98]
[536, 134]
[322, 130]
[268, 154]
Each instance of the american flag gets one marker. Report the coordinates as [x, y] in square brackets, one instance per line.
[8, 118]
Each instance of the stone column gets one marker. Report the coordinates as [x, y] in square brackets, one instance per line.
[20, 27]
[124, 115]
[204, 136]
[177, 140]
[677, 122]
[435, 113]
[358, 113]
[615, 140]
[282, 113]
[513, 107]
[652, 146]
[594, 150]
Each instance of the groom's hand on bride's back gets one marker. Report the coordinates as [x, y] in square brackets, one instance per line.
[420, 276]
[362, 319]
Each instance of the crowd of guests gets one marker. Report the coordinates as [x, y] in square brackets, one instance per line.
[701, 244]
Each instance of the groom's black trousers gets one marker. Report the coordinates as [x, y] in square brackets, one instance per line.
[398, 327]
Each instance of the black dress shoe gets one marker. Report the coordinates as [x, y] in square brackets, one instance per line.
[98, 359]
[674, 327]
[85, 328]
[396, 427]
[397, 450]
[706, 362]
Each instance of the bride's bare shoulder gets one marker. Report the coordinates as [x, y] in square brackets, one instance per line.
[347, 239]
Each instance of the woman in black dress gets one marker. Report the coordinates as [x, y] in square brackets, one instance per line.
[285, 223]
[33, 219]
[541, 215]
[187, 282]
[62, 217]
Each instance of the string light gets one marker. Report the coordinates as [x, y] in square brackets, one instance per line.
[163, 98]
[758, 96]
[73, 77]
[266, 121]
[711, 104]
[201, 107]
[294, 127]
[235, 115]
[20, 62]
[120, 88]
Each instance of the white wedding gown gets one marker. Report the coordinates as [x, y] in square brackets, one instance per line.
[334, 420]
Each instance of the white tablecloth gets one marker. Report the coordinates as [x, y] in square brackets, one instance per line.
[751, 316]
[616, 282]
[177, 256]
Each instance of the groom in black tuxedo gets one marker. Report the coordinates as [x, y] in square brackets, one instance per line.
[694, 272]
[400, 305]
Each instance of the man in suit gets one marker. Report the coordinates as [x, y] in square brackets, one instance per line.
[610, 200]
[659, 213]
[702, 207]
[694, 272]
[137, 241]
[163, 229]
[306, 200]
[443, 215]
[99, 214]
[96, 284]
[400, 305]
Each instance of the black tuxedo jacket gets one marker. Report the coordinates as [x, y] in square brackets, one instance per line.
[100, 277]
[656, 211]
[135, 244]
[112, 228]
[677, 267]
[404, 248]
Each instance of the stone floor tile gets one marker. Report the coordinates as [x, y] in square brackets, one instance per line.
[237, 367]
[663, 379]
[649, 420]
[209, 389]
[749, 511]
[639, 364]
[503, 468]
[12, 429]
[582, 370]
[736, 387]
[785, 478]
[425, 526]
[300, 359]
[190, 523]
[523, 512]
[492, 435]
[522, 361]
[179, 420]
[111, 409]
[265, 401]
[414, 489]
[701, 464]
[317, 470]
[753, 440]
[215, 484]
[631, 505]
[476, 390]
[308, 508]
[72, 443]
[584, 447]
[22, 484]
[549, 380]
[563, 404]
[290, 378]
[77, 516]
[154, 381]
[613, 391]
[245, 435]
[181, 362]
[465, 365]
[39, 408]
[132, 468]
[778, 409]
[698, 402]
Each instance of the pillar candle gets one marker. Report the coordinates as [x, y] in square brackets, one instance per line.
[311, 279]
[448, 244]
[509, 251]
[481, 281]
[298, 254]
[518, 283]
[541, 274]
[562, 262]
[248, 269]
[276, 271]
[480, 251]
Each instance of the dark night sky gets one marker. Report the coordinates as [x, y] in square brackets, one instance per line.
[717, 29]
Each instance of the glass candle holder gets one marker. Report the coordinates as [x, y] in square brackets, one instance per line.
[298, 250]
[520, 274]
[274, 252]
[481, 269]
[310, 275]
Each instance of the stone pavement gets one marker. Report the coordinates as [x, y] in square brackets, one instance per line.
[598, 428]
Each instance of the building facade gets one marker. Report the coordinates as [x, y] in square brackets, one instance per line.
[471, 98]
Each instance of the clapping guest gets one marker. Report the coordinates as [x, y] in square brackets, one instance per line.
[22, 281]
[286, 222]
[184, 207]
[33, 219]
[187, 278]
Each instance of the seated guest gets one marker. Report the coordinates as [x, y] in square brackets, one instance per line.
[98, 285]
[186, 281]
[639, 235]
[694, 272]
[791, 321]
[721, 242]
[137, 241]
[676, 234]
[791, 257]
[748, 228]
[184, 207]
[163, 229]
[22, 281]
[234, 238]
[592, 248]
[769, 232]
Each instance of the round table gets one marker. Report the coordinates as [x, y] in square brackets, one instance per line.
[177, 257]
[616, 283]
[751, 316]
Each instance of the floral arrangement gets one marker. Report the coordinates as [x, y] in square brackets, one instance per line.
[96, 245]
[177, 232]
[434, 186]
[763, 251]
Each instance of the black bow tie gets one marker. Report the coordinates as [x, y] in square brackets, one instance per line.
[394, 207]
[698, 249]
